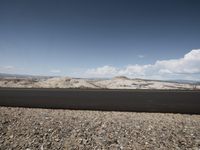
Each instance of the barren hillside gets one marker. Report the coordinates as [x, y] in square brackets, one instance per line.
[114, 83]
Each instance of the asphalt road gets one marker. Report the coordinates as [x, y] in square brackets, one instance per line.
[120, 100]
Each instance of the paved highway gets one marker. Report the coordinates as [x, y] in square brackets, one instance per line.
[120, 100]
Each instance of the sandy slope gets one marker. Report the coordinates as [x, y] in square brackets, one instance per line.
[141, 84]
[64, 82]
[115, 83]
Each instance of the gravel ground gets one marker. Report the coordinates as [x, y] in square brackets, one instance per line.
[42, 129]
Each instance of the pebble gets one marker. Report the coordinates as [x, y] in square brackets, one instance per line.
[25, 128]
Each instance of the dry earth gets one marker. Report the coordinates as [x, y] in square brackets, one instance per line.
[33, 129]
[114, 83]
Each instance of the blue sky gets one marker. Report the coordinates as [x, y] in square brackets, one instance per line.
[100, 38]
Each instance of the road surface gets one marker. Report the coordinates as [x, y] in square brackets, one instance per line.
[120, 100]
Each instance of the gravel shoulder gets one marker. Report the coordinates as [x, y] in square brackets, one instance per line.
[33, 129]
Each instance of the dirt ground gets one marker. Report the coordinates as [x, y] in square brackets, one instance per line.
[44, 129]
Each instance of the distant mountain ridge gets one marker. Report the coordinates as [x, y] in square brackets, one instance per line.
[186, 81]
[6, 75]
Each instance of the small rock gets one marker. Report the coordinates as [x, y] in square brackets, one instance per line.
[57, 139]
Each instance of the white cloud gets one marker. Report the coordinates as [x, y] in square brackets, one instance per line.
[102, 71]
[189, 64]
[182, 68]
[141, 56]
[55, 71]
[8, 67]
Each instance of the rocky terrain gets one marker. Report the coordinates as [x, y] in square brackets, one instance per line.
[114, 83]
[44, 129]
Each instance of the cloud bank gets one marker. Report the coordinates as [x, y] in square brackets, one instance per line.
[55, 71]
[7, 69]
[187, 67]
